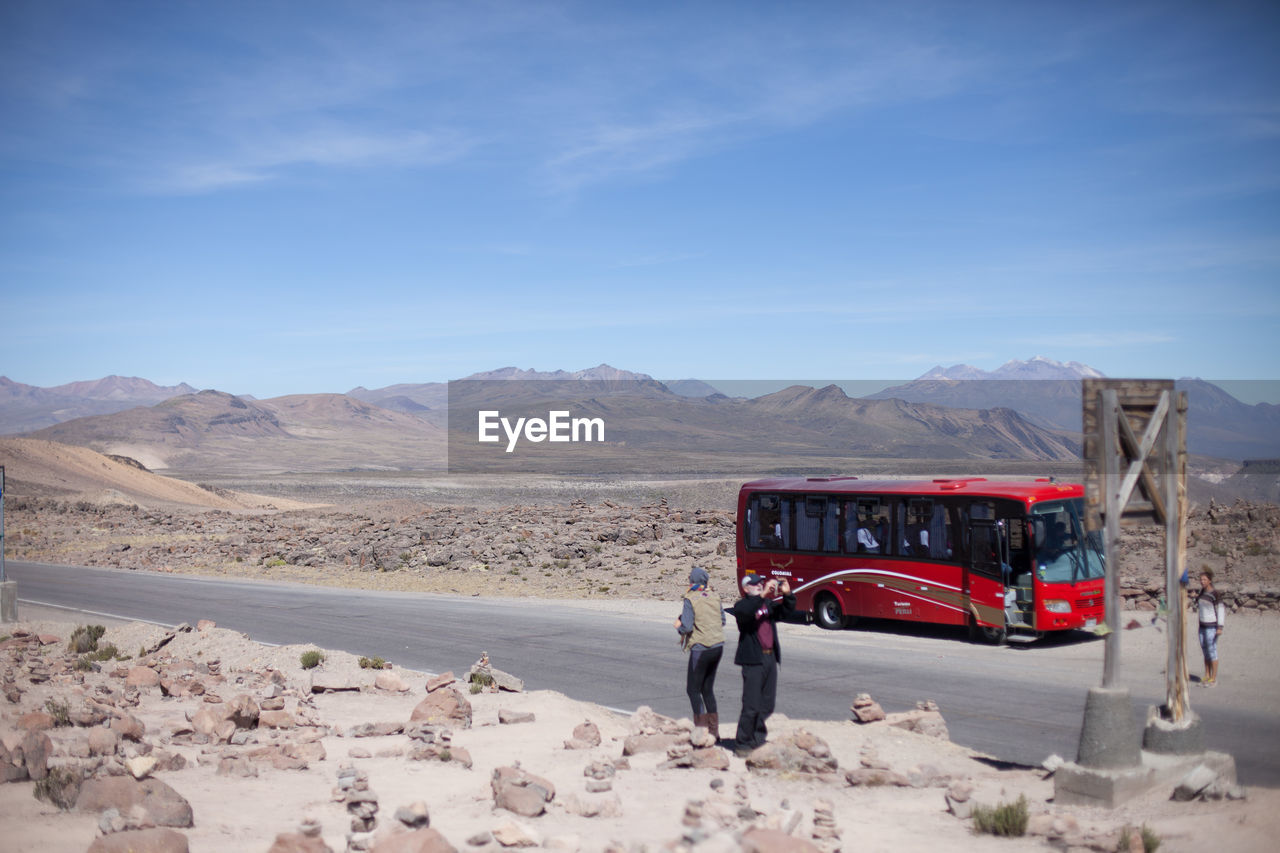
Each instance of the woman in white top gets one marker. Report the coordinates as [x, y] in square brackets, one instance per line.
[1213, 614]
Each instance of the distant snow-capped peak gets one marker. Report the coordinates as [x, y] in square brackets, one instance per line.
[1037, 367]
[601, 372]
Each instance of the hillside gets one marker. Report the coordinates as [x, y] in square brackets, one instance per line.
[215, 431]
[1024, 411]
[1218, 424]
[35, 468]
[650, 430]
[29, 407]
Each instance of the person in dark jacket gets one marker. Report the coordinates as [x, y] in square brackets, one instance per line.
[759, 655]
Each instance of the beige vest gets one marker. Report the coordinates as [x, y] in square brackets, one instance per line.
[707, 628]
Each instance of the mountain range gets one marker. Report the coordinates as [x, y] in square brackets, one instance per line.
[27, 407]
[1023, 410]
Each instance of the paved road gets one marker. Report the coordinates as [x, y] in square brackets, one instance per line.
[1018, 705]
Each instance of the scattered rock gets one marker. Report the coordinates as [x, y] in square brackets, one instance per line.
[155, 840]
[801, 752]
[165, 805]
[298, 842]
[512, 834]
[487, 676]
[276, 719]
[425, 840]
[103, 741]
[444, 679]
[656, 742]
[142, 676]
[375, 729]
[927, 722]
[36, 748]
[331, 681]
[1196, 783]
[865, 709]
[585, 736]
[872, 777]
[508, 717]
[521, 792]
[35, 721]
[444, 706]
[129, 727]
[775, 841]
[391, 682]
[243, 711]
[140, 766]
[414, 815]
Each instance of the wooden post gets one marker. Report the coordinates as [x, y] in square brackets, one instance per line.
[1109, 406]
[1177, 701]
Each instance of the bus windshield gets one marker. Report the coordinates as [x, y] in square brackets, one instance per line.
[1064, 553]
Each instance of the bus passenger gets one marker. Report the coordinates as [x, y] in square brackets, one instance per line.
[861, 540]
[759, 655]
[701, 629]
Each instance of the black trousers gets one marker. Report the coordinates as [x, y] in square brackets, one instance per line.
[759, 692]
[700, 683]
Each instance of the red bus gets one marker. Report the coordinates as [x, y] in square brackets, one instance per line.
[1009, 559]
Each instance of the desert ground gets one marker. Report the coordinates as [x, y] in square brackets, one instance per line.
[606, 544]
[644, 786]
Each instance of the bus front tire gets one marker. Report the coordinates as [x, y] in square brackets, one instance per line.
[827, 613]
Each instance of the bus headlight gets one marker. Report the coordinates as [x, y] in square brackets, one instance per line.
[1057, 605]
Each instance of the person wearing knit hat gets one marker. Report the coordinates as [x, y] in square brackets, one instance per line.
[701, 630]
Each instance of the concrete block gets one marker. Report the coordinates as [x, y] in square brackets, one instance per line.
[1108, 738]
[1074, 785]
[1185, 737]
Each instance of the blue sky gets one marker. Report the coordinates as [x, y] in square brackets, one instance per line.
[292, 197]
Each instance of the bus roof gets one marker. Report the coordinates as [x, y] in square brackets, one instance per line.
[1028, 491]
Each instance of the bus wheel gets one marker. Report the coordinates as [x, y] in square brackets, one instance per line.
[826, 613]
[985, 633]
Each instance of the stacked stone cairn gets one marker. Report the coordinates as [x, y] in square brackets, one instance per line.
[362, 805]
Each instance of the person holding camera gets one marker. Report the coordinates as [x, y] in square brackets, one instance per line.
[759, 655]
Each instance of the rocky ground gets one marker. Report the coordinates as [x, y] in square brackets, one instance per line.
[577, 548]
[199, 739]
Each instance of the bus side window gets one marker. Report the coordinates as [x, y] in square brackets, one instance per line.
[902, 538]
[831, 526]
[809, 512]
[849, 527]
[786, 514]
[939, 533]
[919, 512]
[764, 516]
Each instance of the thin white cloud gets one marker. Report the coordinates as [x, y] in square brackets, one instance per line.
[762, 90]
[266, 158]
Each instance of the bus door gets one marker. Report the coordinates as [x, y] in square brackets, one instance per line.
[985, 571]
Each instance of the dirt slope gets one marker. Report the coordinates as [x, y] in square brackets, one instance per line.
[45, 468]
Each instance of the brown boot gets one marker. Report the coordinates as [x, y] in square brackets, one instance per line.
[712, 722]
[699, 720]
